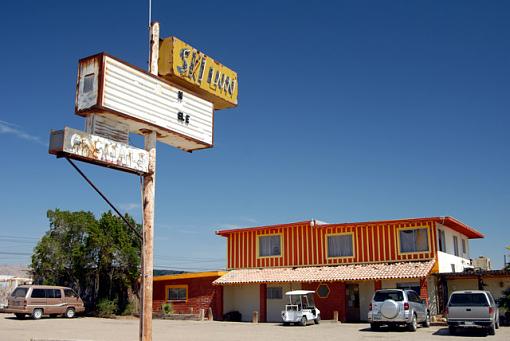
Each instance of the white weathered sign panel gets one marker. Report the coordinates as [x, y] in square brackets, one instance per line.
[110, 87]
[83, 146]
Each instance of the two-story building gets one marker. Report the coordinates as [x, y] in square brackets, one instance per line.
[343, 263]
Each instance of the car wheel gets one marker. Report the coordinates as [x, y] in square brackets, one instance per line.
[451, 330]
[37, 313]
[426, 323]
[70, 313]
[318, 319]
[20, 316]
[413, 325]
[286, 323]
[304, 321]
[492, 329]
[374, 326]
[497, 324]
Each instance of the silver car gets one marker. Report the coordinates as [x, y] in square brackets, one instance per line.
[396, 307]
[472, 308]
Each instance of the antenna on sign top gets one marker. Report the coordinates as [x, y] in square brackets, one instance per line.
[149, 29]
[150, 13]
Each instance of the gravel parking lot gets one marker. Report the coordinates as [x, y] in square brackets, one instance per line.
[87, 328]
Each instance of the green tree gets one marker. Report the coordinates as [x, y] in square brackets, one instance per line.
[98, 258]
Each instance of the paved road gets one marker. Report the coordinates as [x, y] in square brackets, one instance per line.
[109, 329]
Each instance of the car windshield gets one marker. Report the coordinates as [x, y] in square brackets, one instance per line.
[469, 299]
[19, 292]
[382, 296]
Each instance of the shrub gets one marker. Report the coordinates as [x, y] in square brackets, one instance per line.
[106, 308]
[167, 308]
[130, 309]
[232, 316]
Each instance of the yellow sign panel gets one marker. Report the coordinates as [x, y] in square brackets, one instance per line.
[182, 64]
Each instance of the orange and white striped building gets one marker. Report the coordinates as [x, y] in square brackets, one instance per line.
[344, 263]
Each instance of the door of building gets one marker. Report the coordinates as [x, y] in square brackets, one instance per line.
[352, 303]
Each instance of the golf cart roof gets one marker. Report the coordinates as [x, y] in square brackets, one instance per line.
[299, 292]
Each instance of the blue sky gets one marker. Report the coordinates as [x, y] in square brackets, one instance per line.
[348, 111]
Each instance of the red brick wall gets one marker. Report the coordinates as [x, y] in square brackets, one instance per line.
[201, 295]
[335, 300]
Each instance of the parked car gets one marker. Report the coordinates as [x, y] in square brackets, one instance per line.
[472, 308]
[301, 308]
[39, 300]
[396, 307]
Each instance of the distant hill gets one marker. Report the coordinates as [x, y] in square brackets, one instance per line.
[157, 272]
[17, 270]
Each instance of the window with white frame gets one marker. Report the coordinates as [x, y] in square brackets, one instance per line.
[274, 293]
[455, 245]
[270, 245]
[340, 245]
[464, 250]
[414, 240]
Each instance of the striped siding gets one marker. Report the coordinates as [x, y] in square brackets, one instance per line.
[304, 245]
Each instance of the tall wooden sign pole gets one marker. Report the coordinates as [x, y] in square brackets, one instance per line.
[149, 185]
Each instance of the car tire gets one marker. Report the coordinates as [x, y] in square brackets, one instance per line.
[497, 324]
[452, 330]
[20, 316]
[318, 319]
[37, 313]
[304, 321]
[492, 330]
[374, 326]
[286, 324]
[413, 325]
[70, 313]
[426, 323]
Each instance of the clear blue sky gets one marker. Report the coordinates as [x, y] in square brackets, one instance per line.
[348, 111]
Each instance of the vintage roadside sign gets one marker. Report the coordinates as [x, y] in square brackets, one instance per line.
[86, 147]
[186, 66]
[144, 102]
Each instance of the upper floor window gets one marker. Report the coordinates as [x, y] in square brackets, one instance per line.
[464, 246]
[455, 245]
[414, 240]
[442, 241]
[340, 245]
[270, 245]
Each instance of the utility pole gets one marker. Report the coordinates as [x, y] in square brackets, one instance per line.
[149, 185]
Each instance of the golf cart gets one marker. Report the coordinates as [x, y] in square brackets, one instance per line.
[301, 308]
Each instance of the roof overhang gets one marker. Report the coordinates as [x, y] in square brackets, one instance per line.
[450, 222]
[189, 275]
[328, 273]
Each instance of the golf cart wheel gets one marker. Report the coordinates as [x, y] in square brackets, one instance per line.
[426, 323]
[304, 321]
[318, 319]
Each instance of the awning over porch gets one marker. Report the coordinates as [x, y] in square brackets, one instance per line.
[354, 272]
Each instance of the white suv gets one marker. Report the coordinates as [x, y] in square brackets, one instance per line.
[398, 307]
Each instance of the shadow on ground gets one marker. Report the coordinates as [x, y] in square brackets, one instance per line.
[476, 332]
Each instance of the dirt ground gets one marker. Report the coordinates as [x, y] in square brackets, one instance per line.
[86, 328]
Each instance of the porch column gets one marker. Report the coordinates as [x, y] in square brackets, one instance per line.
[424, 292]
[377, 284]
[263, 303]
[218, 303]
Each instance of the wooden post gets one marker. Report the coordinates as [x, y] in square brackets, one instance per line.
[149, 186]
